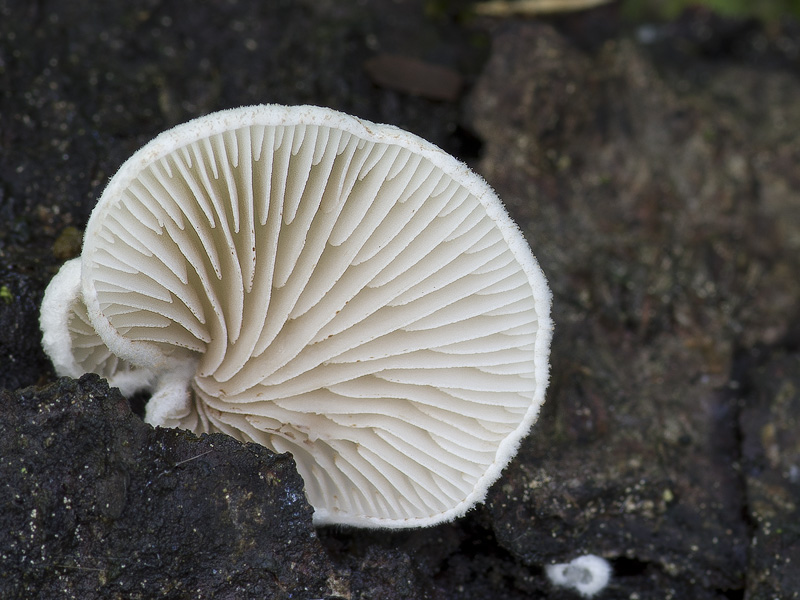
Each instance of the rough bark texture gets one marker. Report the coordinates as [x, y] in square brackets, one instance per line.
[96, 502]
[659, 186]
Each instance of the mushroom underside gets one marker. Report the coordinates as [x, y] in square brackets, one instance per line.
[348, 294]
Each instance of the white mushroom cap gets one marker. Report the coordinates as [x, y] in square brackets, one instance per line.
[71, 342]
[329, 287]
[588, 574]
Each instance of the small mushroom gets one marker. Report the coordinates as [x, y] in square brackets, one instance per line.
[71, 342]
[588, 574]
[324, 286]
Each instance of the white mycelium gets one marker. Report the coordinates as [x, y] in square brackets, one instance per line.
[329, 287]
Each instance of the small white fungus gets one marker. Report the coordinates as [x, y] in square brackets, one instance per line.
[588, 574]
[321, 285]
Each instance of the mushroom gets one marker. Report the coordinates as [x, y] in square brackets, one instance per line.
[71, 342]
[325, 286]
[588, 574]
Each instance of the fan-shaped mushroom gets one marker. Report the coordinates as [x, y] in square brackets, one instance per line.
[329, 287]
